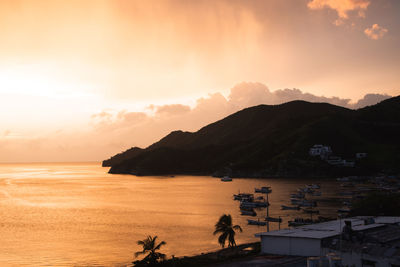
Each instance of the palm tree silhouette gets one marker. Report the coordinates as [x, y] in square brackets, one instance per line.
[224, 226]
[150, 248]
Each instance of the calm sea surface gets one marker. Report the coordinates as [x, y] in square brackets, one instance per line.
[78, 215]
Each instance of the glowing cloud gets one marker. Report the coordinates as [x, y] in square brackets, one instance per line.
[342, 7]
[375, 32]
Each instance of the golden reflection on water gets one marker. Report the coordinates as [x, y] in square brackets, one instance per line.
[77, 214]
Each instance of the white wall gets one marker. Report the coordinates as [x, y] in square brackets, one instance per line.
[290, 246]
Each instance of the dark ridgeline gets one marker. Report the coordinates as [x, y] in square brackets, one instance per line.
[265, 141]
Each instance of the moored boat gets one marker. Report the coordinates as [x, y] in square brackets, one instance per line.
[298, 195]
[248, 213]
[226, 179]
[283, 207]
[271, 219]
[254, 222]
[244, 197]
[264, 190]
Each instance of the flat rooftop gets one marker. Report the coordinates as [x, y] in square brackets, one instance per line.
[330, 228]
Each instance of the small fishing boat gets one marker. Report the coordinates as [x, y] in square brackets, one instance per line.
[245, 204]
[306, 203]
[248, 213]
[298, 195]
[263, 190]
[261, 204]
[226, 179]
[254, 222]
[283, 207]
[244, 197]
[271, 219]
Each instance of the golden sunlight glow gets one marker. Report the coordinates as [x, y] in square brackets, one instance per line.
[82, 80]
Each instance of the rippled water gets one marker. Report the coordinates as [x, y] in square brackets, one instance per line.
[77, 214]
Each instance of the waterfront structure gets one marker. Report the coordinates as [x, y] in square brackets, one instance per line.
[358, 241]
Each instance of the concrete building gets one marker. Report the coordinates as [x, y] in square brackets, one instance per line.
[320, 150]
[367, 244]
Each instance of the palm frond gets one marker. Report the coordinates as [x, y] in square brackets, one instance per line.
[237, 227]
[159, 245]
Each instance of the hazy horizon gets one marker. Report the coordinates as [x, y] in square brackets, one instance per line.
[83, 80]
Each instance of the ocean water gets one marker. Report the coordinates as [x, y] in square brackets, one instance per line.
[76, 214]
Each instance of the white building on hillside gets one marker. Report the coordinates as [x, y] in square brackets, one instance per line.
[320, 150]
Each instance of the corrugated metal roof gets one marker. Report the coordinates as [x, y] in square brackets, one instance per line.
[329, 229]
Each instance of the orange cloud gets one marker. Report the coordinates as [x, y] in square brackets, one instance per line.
[174, 109]
[342, 7]
[375, 32]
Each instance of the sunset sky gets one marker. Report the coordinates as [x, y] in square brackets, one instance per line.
[82, 80]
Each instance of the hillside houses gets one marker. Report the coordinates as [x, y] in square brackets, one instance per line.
[320, 150]
[326, 154]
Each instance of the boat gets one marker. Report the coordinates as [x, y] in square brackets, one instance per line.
[248, 213]
[303, 202]
[261, 204]
[343, 179]
[307, 190]
[244, 197]
[306, 203]
[298, 195]
[283, 207]
[263, 190]
[271, 219]
[302, 221]
[254, 222]
[226, 179]
[254, 204]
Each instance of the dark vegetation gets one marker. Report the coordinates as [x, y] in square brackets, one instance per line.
[266, 141]
[225, 255]
[224, 227]
[150, 250]
[377, 204]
